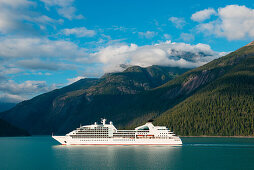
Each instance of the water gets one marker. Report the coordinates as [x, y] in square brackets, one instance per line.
[196, 153]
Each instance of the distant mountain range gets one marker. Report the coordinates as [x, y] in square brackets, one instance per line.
[214, 99]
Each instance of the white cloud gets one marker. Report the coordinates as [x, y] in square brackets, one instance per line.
[187, 37]
[234, 22]
[26, 88]
[112, 56]
[65, 8]
[6, 70]
[167, 54]
[37, 73]
[10, 91]
[39, 47]
[147, 34]
[178, 22]
[79, 32]
[72, 80]
[16, 3]
[10, 98]
[19, 17]
[203, 15]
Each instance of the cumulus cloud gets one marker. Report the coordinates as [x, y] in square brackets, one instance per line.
[38, 47]
[147, 34]
[24, 55]
[65, 8]
[234, 22]
[79, 32]
[166, 53]
[25, 88]
[10, 98]
[16, 3]
[203, 15]
[178, 22]
[11, 91]
[7, 70]
[16, 16]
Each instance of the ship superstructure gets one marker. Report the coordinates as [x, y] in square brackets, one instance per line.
[107, 134]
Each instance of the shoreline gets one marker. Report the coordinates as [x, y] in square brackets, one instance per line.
[204, 136]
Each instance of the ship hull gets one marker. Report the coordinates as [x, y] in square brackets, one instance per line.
[65, 140]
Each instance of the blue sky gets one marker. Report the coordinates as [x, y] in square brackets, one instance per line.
[47, 44]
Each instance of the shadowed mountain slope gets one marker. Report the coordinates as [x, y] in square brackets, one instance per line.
[214, 99]
[114, 96]
[6, 129]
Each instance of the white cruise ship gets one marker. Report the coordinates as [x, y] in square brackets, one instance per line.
[107, 134]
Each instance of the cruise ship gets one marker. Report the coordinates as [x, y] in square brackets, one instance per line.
[107, 134]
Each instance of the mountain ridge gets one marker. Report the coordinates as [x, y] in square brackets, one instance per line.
[190, 102]
[63, 109]
[225, 106]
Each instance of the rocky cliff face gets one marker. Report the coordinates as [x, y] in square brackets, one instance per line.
[223, 103]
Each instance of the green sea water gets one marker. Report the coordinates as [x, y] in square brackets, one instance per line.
[196, 153]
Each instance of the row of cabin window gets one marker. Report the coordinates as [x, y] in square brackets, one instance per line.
[93, 131]
[89, 133]
[89, 136]
[93, 140]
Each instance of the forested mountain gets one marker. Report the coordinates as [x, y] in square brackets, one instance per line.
[223, 107]
[214, 99]
[116, 96]
[6, 129]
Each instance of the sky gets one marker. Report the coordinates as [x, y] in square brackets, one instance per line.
[48, 44]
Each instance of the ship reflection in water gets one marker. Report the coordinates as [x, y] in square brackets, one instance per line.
[195, 153]
[118, 157]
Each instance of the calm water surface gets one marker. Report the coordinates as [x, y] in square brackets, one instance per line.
[196, 153]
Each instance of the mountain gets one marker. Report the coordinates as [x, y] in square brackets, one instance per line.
[224, 105]
[6, 129]
[120, 97]
[214, 99]
[6, 106]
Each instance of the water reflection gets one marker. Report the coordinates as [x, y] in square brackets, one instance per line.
[117, 157]
[196, 153]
